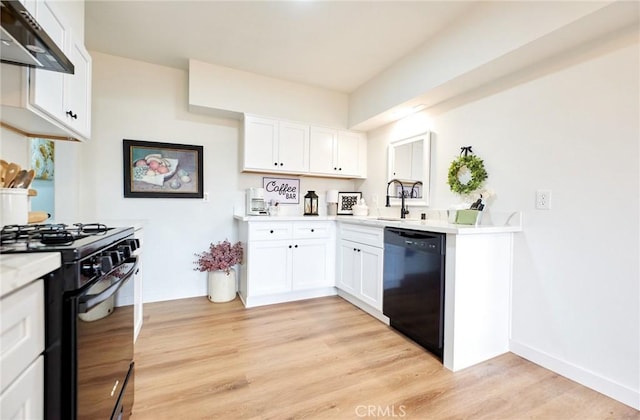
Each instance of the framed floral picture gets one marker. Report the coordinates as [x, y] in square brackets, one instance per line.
[162, 170]
[346, 200]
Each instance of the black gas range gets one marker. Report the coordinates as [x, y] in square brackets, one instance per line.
[89, 368]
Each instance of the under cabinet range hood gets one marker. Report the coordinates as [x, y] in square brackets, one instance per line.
[25, 43]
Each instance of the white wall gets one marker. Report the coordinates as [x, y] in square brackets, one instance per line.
[140, 101]
[213, 87]
[575, 292]
[474, 49]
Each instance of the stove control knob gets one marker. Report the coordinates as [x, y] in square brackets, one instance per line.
[133, 243]
[106, 264]
[114, 256]
[125, 251]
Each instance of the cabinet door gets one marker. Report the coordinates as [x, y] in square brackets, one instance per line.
[77, 97]
[269, 267]
[348, 153]
[322, 144]
[293, 147]
[371, 275]
[260, 143]
[349, 267]
[312, 264]
[47, 87]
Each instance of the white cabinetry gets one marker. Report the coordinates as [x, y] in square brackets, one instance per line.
[360, 266]
[21, 347]
[272, 145]
[286, 261]
[43, 103]
[337, 152]
[275, 146]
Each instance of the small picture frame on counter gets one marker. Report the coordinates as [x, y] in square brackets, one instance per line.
[346, 201]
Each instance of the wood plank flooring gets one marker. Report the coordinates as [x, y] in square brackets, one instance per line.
[326, 359]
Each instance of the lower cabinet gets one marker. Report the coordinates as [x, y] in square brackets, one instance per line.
[360, 266]
[286, 261]
[21, 347]
[361, 272]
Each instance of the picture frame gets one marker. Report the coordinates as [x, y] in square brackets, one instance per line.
[346, 200]
[162, 170]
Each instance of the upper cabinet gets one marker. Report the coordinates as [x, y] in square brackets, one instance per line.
[337, 153]
[43, 103]
[275, 146]
[271, 145]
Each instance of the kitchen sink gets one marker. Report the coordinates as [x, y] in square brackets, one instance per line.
[397, 219]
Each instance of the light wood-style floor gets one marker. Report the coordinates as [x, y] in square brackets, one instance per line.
[326, 359]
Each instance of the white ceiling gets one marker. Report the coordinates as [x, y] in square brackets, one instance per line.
[337, 45]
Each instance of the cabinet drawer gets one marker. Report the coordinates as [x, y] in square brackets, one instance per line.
[21, 331]
[263, 231]
[24, 399]
[372, 236]
[309, 230]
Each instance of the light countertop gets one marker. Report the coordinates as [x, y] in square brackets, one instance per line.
[18, 270]
[508, 222]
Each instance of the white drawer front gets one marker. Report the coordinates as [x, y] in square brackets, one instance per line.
[264, 231]
[310, 230]
[367, 235]
[24, 399]
[21, 331]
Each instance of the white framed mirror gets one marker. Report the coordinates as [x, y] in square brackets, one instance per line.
[409, 161]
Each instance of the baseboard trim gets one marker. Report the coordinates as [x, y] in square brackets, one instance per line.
[578, 374]
[364, 306]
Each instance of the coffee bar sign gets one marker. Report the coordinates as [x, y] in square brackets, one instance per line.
[281, 190]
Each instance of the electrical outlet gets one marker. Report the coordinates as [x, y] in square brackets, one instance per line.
[543, 199]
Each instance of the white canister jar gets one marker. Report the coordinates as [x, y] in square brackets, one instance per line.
[14, 206]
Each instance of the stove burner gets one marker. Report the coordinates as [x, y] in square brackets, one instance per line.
[48, 234]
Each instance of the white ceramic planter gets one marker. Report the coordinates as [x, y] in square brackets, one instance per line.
[221, 286]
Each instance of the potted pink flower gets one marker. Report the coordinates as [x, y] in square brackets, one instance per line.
[218, 262]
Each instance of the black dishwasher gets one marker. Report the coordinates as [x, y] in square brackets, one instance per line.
[414, 285]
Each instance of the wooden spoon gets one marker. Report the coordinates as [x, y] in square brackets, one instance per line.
[24, 178]
[12, 171]
[3, 169]
[21, 180]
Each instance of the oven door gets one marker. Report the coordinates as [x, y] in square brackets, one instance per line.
[104, 338]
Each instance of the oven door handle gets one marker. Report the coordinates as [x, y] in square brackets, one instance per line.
[87, 302]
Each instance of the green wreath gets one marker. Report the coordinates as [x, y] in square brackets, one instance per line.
[478, 174]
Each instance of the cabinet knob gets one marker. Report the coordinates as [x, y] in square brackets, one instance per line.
[275, 163]
[354, 249]
[271, 231]
[72, 115]
[335, 169]
[281, 164]
[289, 246]
[359, 250]
[295, 246]
[312, 230]
[339, 169]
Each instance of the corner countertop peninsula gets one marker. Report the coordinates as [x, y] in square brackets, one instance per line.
[478, 277]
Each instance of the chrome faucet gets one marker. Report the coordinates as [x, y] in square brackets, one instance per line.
[403, 209]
